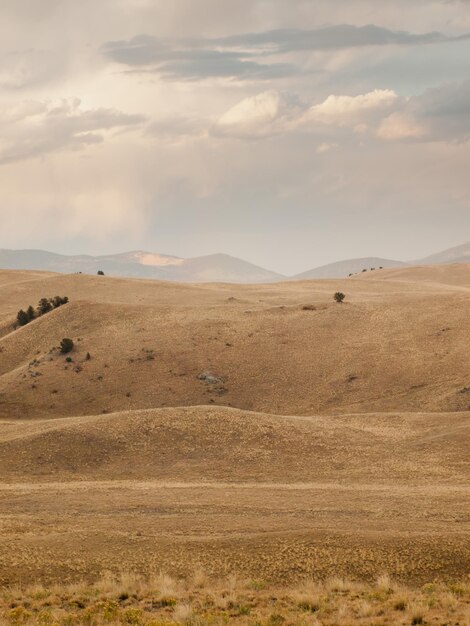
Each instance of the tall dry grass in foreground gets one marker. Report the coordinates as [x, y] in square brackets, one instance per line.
[131, 600]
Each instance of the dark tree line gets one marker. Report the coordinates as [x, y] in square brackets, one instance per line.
[45, 305]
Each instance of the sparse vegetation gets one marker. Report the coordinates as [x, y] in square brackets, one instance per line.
[161, 599]
[45, 305]
[339, 297]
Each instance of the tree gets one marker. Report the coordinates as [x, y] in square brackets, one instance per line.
[31, 313]
[22, 318]
[339, 297]
[100, 273]
[44, 306]
[66, 345]
[59, 301]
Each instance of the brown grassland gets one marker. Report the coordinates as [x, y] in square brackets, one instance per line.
[130, 600]
[263, 431]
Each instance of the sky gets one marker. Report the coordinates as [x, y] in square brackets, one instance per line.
[290, 133]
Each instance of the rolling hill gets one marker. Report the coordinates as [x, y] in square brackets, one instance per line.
[141, 264]
[340, 269]
[263, 429]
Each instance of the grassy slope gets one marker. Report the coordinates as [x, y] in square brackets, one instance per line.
[131, 450]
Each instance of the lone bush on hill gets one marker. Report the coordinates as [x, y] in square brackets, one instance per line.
[66, 345]
[339, 297]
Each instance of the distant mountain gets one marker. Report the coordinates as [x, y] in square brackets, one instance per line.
[141, 264]
[341, 269]
[211, 268]
[222, 268]
[459, 254]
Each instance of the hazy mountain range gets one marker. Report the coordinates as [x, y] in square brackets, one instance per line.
[141, 264]
[211, 268]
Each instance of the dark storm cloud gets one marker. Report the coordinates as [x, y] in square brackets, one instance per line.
[331, 37]
[445, 111]
[240, 55]
[191, 60]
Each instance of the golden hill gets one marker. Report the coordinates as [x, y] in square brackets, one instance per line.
[215, 443]
[265, 429]
[395, 345]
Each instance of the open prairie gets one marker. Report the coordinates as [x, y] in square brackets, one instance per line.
[265, 429]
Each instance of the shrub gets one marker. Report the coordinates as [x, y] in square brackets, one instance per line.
[22, 318]
[66, 345]
[339, 297]
[100, 273]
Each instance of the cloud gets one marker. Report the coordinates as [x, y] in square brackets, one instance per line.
[439, 114]
[326, 147]
[28, 68]
[272, 112]
[244, 56]
[33, 129]
[176, 127]
[190, 60]
[350, 110]
[267, 113]
[400, 125]
[327, 38]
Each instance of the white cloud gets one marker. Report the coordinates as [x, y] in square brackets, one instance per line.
[441, 114]
[272, 112]
[352, 110]
[267, 113]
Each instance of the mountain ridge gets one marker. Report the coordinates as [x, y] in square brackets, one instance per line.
[218, 267]
[142, 264]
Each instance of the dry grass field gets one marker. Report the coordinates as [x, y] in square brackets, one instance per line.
[263, 430]
[160, 600]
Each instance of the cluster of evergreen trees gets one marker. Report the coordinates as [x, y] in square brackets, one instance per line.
[45, 305]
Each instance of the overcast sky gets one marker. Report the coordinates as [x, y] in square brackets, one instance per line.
[290, 133]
